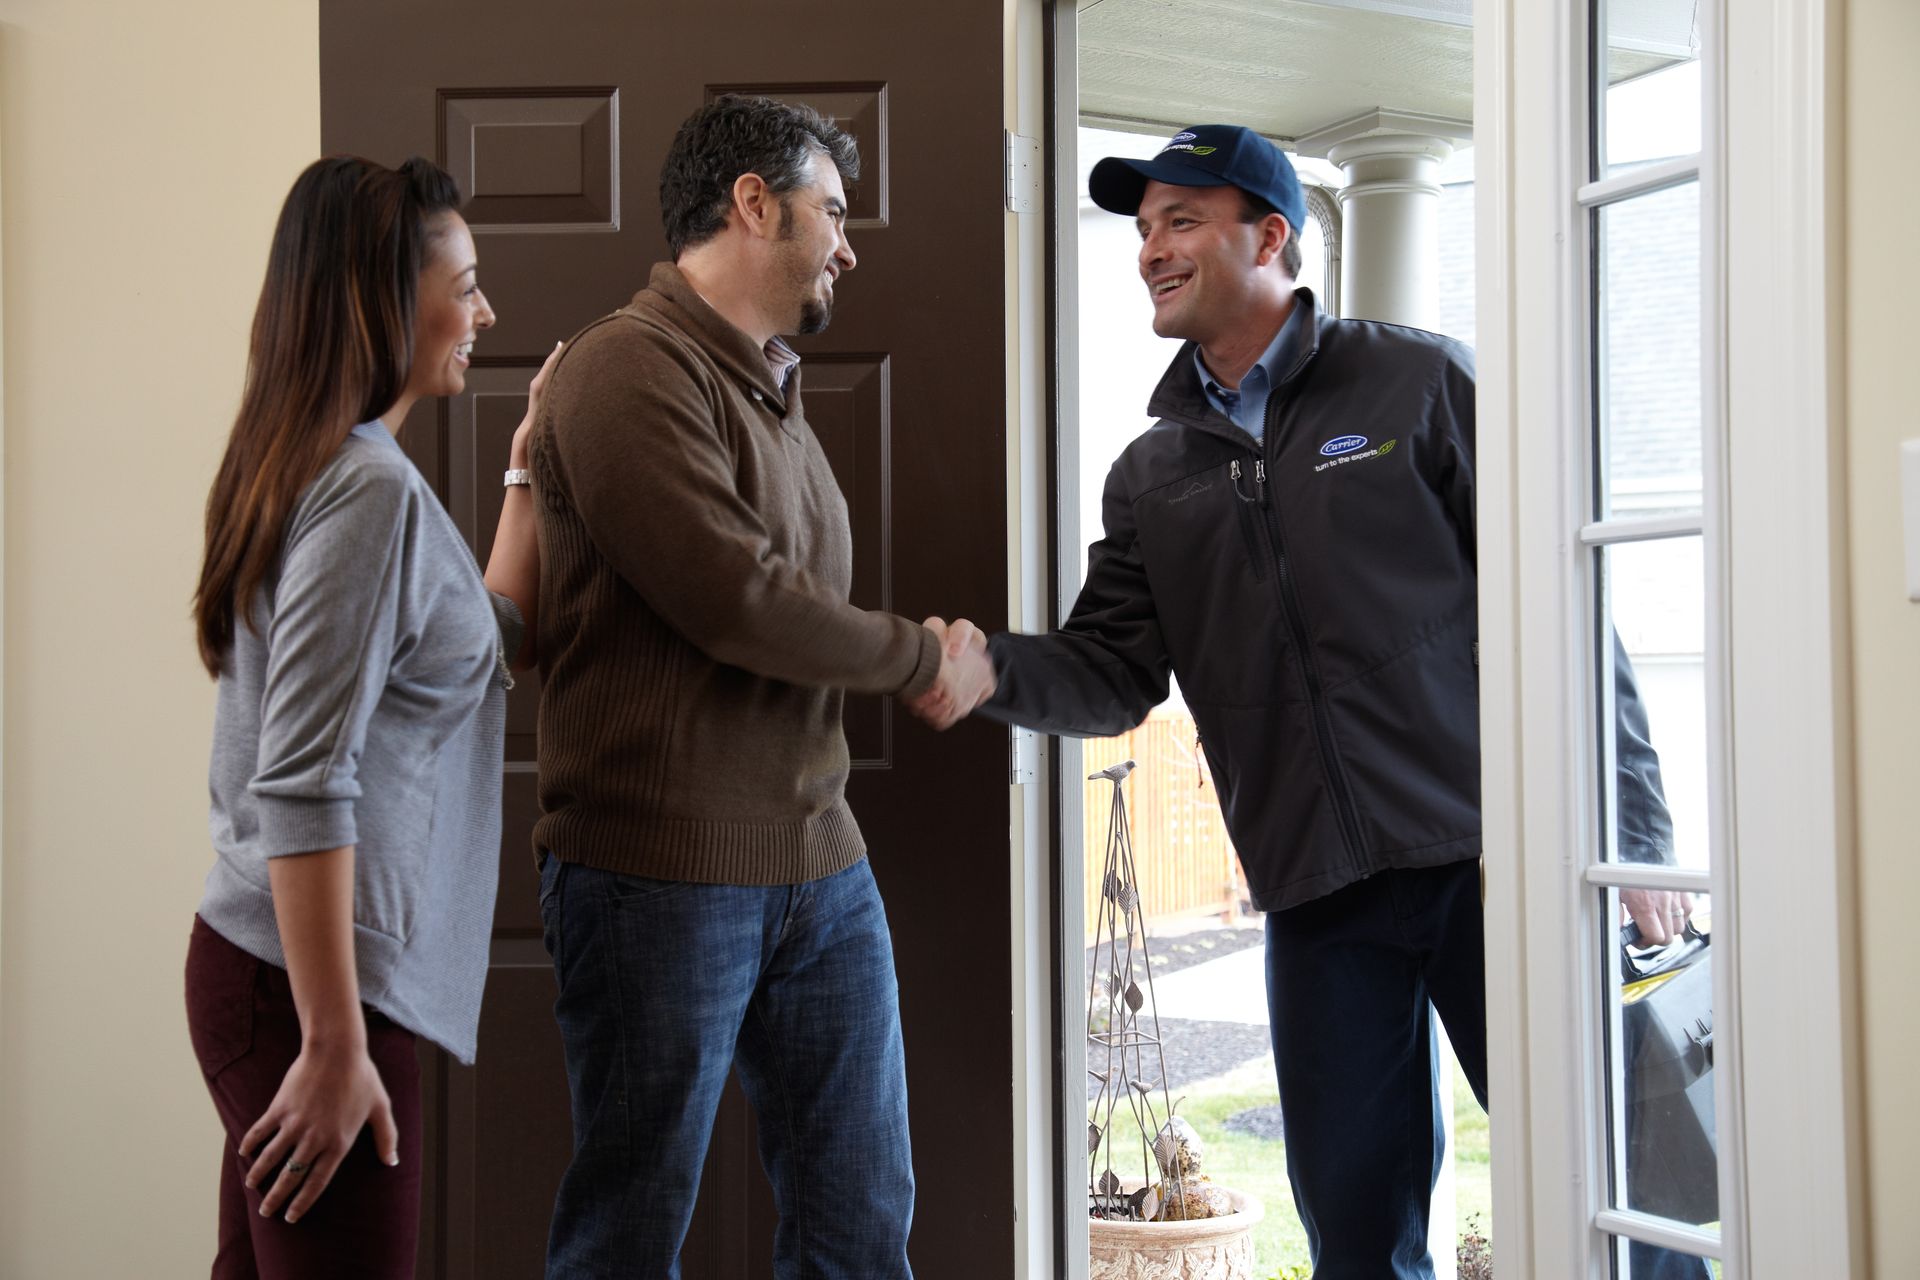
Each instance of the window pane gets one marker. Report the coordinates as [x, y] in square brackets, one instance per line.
[1647, 355]
[1659, 1003]
[1649, 54]
[1653, 697]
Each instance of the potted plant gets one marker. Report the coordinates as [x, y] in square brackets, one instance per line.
[1171, 1222]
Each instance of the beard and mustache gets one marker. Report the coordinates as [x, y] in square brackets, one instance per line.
[815, 312]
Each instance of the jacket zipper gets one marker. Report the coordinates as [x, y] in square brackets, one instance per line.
[1248, 531]
[1344, 808]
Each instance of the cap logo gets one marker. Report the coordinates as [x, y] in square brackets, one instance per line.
[1189, 148]
[1188, 136]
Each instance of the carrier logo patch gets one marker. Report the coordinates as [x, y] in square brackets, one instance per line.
[1342, 444]
[1379, 451]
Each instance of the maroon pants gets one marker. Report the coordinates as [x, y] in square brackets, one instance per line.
[246, 1033]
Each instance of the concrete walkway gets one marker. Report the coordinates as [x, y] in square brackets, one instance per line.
[1230, 989]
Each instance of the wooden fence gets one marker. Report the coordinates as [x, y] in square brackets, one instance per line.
[1181, 853]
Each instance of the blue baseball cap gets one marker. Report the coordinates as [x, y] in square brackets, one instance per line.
[1206, 155]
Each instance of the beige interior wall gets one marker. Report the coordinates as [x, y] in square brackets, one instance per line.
[1883, 295]
[146, 149]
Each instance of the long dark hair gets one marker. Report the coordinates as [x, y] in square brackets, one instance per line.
[332, 344]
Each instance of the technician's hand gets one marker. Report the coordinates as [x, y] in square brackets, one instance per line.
[324, 1102]
[966, 675]
[1661, 915]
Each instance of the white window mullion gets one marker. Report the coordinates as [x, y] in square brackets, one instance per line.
[1638, 182]
[1629, 1225]
[1650, 875]
[1607, 533]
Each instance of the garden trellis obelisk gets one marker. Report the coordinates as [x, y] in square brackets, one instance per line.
[1122, 1021]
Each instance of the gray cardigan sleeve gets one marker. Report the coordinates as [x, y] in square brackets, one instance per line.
[330, 647]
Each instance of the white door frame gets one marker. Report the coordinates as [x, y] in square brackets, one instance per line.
[1796, 1123]
[1067, 794]
[1042, 1160]
[1806, 1181]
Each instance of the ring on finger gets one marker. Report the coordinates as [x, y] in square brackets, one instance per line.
[298, 1166]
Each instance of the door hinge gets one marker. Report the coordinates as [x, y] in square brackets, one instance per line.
[1024, 171]
[1023, 756]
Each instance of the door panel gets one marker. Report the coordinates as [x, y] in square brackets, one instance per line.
[554, 118]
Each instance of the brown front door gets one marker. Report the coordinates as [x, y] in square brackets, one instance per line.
[554, 118]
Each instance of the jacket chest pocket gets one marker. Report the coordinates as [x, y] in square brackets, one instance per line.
[1210, 566]
[1204, 532]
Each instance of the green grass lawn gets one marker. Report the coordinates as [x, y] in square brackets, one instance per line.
[1259, 1166]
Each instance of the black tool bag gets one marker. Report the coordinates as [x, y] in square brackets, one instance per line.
[1667, 1029]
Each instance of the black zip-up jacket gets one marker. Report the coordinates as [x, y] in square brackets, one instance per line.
[1316, 593]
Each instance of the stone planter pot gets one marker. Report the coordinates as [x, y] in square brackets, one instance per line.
[1210, 1249]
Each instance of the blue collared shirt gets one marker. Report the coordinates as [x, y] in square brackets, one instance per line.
[1247, 406]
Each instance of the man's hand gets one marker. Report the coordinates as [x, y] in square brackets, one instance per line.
[1662, 916]
[966, 675]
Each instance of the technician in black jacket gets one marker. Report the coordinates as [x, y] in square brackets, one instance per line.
[1295, 537]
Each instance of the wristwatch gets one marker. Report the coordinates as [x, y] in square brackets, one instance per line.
[518, 475]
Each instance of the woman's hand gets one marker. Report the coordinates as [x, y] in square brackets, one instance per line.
[328, 1096]
[517, 452]
[513, 567]
[332, 1090]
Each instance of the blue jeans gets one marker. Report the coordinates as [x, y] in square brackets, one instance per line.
[667, 986]
[1351, 980]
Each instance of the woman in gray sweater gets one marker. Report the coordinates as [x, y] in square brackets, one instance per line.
[362, 665]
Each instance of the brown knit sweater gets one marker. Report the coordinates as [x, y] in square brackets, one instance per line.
[695, 635]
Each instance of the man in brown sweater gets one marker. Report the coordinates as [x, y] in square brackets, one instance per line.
[704, 886]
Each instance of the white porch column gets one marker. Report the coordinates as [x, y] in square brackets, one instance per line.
[1390, 227]
[1389, 212]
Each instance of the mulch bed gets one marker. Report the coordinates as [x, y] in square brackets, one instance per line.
[1261, 1122]
[1195, 1051]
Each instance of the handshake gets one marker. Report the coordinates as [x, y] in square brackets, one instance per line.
[966, 675]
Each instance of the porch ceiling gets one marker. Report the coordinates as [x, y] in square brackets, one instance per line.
[1289, 67]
